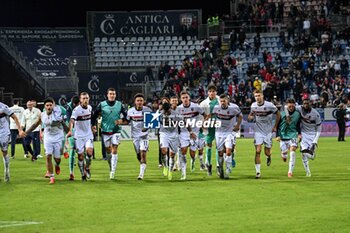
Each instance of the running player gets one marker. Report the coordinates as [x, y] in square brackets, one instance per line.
[310, 133]
[287, 134]
[208, 105]
[70, 140]
[168, 138]
[190, 112]
[5, 139]
[262, 112]
[83, 134]
[138, 133]
[53, 124]
[230, 116]
[110, 111]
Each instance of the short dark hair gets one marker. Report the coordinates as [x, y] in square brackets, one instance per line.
[110, 89]
[166, 98]
[75, 100]
[290, 101]
[174, 97]
[223, 96]
[184, 93]
[49, 100]
[212, 86]
[137, 95]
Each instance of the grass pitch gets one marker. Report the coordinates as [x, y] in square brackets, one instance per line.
[275, 203]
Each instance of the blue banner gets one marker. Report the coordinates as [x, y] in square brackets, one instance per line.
[143, 23]
[50, 58]
[96, 84]
[43, 34]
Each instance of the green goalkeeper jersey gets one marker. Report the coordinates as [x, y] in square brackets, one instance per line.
[110, 113]
[290, 130]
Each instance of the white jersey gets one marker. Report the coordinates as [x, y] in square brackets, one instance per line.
[18, 111]
[82, 122]
[53, 129]
[190, 113]
[227, 117]
[170, 126]
[263, 116]
[136, 118]
[309, 120]
[5, 113]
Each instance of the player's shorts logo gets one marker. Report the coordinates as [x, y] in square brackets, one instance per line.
[151, 120]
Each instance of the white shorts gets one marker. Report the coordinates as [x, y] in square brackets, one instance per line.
[306, 141]
[4, 142]
[53, 148]
[83, 143]
[184, 138]
[225, 139]
[171, 142]
[265, 139]
[197, 144]
[111, 139]
[286, 144]
[140, 144]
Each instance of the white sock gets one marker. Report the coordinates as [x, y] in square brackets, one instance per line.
[171, 163]
[142, 169]
[165, 160]
[177, 160]
[291, 161]
[201, 159]
[257, 168]
[6, 160]
[306, 163]
[114, 162]
[183, 163]
[228, 162]
[81, 166]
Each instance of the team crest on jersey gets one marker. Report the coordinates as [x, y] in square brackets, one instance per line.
[192, 109]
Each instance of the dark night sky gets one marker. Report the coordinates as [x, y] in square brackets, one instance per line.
[62, 13]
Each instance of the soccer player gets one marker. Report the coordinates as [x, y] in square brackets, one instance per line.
[83, 134]
[230, 116]
[70, 140]
[110, 111]
[168, 138]
[53, 124]
[310, 133]
[138, 133]
[30, 116]
[6, 112]
[18, 111]
[190, 112]
[287, 134]
[262, 112]
[174, 102]
[208, 105]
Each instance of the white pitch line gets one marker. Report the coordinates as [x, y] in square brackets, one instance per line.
[16, 223]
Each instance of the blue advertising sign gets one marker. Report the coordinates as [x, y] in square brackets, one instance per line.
[48, 49]
[143, 23]
[51, 59]
[96, 84]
